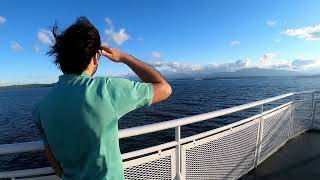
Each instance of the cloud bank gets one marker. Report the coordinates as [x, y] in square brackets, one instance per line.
[267, 61]
[114, 36]
[177, 67]
[309, 33]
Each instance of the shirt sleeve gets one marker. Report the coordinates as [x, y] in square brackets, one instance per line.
[127, 95]
[36, 120]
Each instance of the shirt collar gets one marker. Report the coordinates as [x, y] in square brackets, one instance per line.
[72, 76]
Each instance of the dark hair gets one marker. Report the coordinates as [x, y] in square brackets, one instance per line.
[74, 47]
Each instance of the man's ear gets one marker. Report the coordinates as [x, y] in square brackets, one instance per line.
[95, 59]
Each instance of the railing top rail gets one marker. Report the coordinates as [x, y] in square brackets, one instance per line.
[27, 172]
[305, 92]
[21, 147]
[135, 131]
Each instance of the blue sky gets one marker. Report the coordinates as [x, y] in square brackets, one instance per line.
[174, 36]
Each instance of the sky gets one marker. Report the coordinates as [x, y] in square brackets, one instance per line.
[172, 35]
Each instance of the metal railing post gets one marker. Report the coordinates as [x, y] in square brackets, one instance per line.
[178, 153]
[259, 138]
[313, 110]
[291, 118]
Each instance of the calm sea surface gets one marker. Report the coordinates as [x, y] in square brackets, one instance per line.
[190, 97]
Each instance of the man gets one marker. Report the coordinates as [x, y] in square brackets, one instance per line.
[78, 119]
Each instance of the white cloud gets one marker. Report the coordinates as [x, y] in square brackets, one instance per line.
[235, 43]
[307, 33]
[265, 61]
[3, 83]
[2, 20]
[276, 40]
[45, 37]
[155, 55]
[114, 36]
[109, 22]
[270, 61]
[36, 48]
[16, 46]
[120, 37]
[271, 23]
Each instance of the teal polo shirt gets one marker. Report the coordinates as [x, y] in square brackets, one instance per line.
[78, 119]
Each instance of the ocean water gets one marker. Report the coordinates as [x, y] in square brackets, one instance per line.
[190, 97]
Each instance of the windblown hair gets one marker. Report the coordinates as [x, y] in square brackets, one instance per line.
[74, 47]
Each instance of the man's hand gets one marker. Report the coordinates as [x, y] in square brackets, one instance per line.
[113, 54]
[161, 88]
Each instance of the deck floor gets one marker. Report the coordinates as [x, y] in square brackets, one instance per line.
[299, 159]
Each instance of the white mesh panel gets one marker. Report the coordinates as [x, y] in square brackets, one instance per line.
[152, 167]
[301, 117]
[226, 155]
[275, 131]
[316, 122]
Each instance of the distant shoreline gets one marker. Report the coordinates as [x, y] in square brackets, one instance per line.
[174, 79]
[22, 86]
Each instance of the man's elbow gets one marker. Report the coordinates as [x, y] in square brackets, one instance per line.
[162, 91]
[167, 90]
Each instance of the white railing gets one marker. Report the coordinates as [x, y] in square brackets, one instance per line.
[227, 152]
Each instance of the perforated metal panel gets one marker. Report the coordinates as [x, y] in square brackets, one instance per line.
[226, 155]
[275, 132]
[301, 117]
[152, 167]
[316, 121]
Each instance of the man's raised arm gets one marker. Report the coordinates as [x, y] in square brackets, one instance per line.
[162, 89]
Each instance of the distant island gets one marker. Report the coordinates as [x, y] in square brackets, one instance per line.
[246, 73]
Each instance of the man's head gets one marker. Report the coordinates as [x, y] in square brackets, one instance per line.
[77, 48]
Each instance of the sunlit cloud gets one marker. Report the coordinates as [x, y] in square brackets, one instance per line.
[116, 37]
[309, 33]
[15, 46]
[235, 43]
[271, 23]
[45, 37]
[2, 20]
